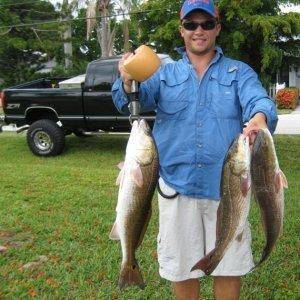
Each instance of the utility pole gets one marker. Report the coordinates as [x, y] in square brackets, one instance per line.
[67, 34]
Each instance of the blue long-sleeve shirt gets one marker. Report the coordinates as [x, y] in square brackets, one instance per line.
[197, 118]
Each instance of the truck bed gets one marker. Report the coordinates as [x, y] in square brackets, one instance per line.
[43, 83]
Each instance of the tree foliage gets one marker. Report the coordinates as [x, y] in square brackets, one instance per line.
[254, 31]
[24, 49]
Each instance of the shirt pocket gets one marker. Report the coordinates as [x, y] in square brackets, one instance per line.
[174, 96]
[170, 110]
[223, 96]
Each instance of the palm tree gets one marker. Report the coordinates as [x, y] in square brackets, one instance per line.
[125, 8]
[105, 35]
[67, 9]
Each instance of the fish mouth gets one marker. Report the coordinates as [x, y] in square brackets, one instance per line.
[142, 124]
[244, 140]
[264, 141]
[261, 139]
[241, 140]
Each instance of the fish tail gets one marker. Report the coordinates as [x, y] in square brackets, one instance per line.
[206, 264]
[130, 275]
[264, 256]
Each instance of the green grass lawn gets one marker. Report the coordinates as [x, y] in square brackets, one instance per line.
[64, 207]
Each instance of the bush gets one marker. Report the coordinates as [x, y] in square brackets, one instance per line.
[287, 98]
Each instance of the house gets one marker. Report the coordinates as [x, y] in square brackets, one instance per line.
[287, 76]
[47, 67]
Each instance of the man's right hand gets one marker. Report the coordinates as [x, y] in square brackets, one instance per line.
[126, 78]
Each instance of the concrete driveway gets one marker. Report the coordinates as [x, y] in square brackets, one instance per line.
[289, 123]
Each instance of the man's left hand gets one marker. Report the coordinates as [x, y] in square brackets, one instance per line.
[258, 121]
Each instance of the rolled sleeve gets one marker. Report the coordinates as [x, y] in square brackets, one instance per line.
[254, 98]
[120, 97]
[148, 94]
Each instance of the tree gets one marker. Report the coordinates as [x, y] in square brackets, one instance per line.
[252, 30]
[24, 49]
[105, 34]
[125, 8]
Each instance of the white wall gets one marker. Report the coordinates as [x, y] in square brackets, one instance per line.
[294, 77]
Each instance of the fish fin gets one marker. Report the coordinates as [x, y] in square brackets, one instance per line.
[120, 176]
[280, 181]
[148, 217]
[206, 263]
[120, 165]
[114, 234]
[130, 275]
[240, 236]
[245, 184]
[137, 175]
[264, 256]
[284, 180]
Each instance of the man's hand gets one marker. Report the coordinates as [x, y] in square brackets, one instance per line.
[258, 121]
[126, 78]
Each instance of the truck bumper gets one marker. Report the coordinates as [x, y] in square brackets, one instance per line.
[2, 118]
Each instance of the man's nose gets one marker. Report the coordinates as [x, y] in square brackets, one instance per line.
[199, 29]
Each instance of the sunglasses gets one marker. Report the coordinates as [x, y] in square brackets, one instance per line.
[192, 26]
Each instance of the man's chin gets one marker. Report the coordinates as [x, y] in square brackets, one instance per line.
[200, 51]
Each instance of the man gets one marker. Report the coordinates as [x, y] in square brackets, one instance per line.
[202, 102]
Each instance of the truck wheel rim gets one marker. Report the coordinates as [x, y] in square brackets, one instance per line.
[42, 140]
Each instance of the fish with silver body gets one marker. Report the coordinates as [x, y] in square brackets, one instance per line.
[234, 205]
[137, 181]
[268, 183]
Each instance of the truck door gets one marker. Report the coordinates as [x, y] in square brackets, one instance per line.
[99, 108]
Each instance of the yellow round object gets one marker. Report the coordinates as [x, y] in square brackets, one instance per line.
[142, 64]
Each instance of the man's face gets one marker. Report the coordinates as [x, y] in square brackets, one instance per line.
[199, 41]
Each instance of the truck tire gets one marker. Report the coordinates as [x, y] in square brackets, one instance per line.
[45, 138]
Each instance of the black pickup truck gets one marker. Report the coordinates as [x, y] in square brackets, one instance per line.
[49, 111]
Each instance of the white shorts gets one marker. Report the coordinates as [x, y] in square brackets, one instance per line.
[187, 232]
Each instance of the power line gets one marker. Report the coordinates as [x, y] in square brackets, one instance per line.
[78, 19]
[19, 3]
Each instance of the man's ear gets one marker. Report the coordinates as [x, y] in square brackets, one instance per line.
[219, 27]
[181, 30]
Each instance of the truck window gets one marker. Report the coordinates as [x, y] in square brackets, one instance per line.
[101, 78]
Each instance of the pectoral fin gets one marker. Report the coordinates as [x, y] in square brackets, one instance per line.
[284, 180]
[280, 181]
[240, 236]
[114, 234]
[120, 176]
[121, 165]
[137, 176]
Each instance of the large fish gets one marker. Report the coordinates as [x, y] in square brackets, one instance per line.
[268, 183]
[234, 205]
[137, 179]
